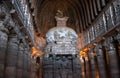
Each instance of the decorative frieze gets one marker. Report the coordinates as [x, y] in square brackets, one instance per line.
[116, 5]
[105, 23]
[24, 14]
[109, 23]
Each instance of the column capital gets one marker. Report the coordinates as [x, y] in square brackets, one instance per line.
[86, 59]
[3, 28]
[111, 46]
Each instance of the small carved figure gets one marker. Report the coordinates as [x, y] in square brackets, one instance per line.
[59, 14]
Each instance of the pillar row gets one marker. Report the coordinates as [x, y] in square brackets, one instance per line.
[11, 57]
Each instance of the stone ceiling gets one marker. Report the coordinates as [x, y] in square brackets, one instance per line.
[81, 13]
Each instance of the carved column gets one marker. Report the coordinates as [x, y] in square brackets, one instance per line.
[3, 47]
[87, 66]
[28, 65]
[25, 64]
[11, 57]
[101, 63]
[41, 66]
[114, 64]
[82, 67]
[32, 68]
[118, 38]
[92, 63]
[76, 67]
[20, 61]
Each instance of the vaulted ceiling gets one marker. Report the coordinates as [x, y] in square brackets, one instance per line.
[81, 13]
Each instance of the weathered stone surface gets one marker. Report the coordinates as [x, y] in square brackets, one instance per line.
[113, 60]
[62, 66]
[61, 39]
[3, 49]
[11, 59]
[101, 63]
[20, 64]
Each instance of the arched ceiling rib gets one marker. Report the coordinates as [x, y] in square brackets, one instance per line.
[81, 13]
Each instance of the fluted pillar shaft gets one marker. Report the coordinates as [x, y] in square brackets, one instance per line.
[92, 63]
[82, 67]
[25, 65]
[41, 67]
[3, 48]
[87, 66]
[20, 61]
[113, 61]
[28, 65]
[11, 57]
[32, 68]
[101, 63]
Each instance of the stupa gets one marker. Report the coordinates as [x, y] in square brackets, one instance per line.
[61, 59]
[61, 39]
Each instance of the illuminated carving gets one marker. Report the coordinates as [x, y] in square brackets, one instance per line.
[61, 39]
[61, 32]
[36, 52]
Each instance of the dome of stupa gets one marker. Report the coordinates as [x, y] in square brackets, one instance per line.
[61, 32]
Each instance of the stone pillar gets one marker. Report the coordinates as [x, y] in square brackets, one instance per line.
[114, 64]
[118, 38]
[20, 61]
[75, 71]
[32, 68]
[92, 63]
[87, 66]
[41, 67]
[101, 63]
[25, 64]
[82, 67]
[28, 66]
[54, 67]
[3, 47]
[11, 57]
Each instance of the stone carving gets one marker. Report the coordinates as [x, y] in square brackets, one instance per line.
[2, 27]
[61, 48]
[3, 38]
[116, 5]
[2, 16]
[61, 66]
[108, 18]
[3, 30]
[61, 33]
[63, 38]
[59, 14]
